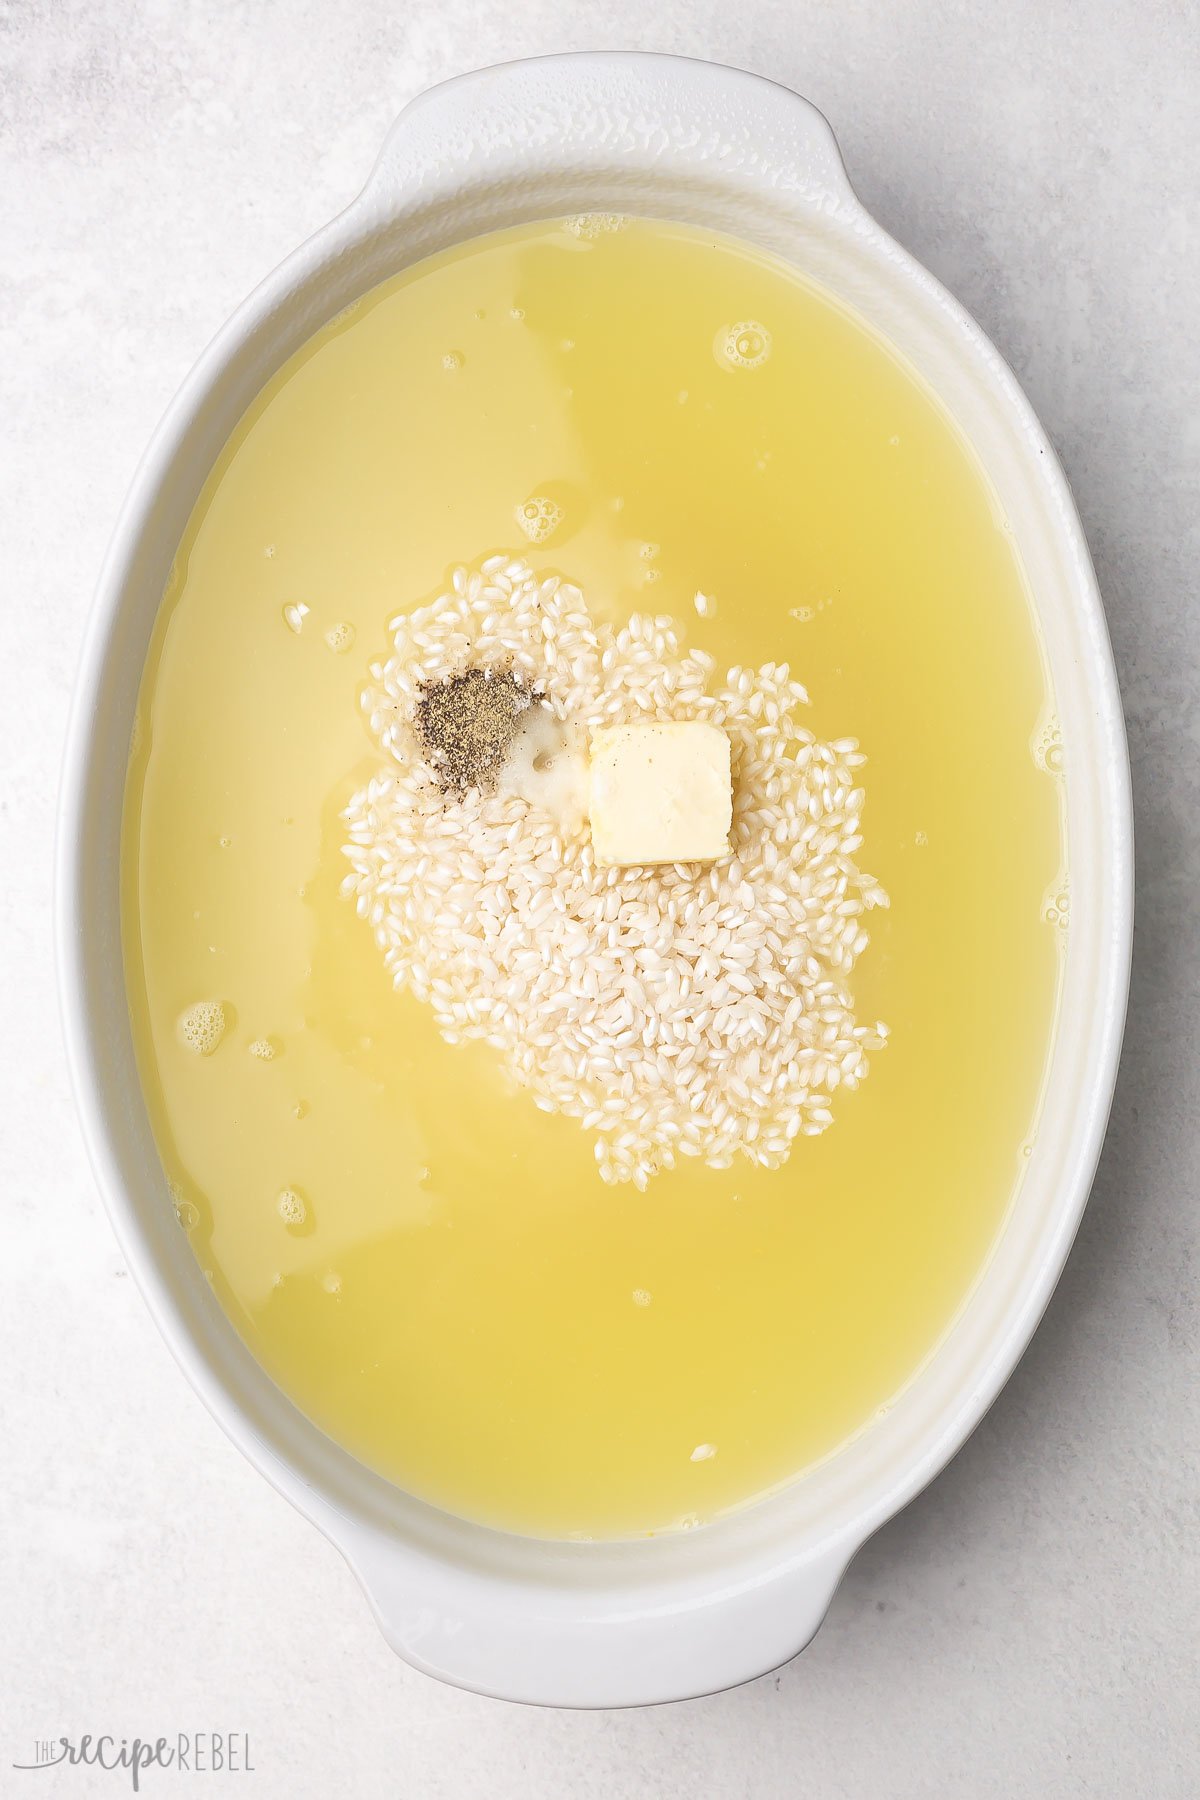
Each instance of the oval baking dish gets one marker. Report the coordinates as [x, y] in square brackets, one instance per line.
[606, 1624]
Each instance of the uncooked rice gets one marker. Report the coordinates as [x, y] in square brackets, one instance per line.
[689, 1010]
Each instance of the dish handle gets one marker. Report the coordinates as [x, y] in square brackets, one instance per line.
[628, 125]
[578, 1633]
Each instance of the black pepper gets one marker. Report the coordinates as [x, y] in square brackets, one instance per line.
[466, 723]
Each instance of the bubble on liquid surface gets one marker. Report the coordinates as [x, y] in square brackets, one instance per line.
[594, 225]
[744, 345]
[802, 614]
[332, 1282]
[202, 1026]
[648, 552]
[186, 1211]
[641, 1297]
[263, 1049]
[1057, 907]
[538, 517]
[452, 360]
[340, 637]
[294, 615]
[291, 1207]
[1048, 746]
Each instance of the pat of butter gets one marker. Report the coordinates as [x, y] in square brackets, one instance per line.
[660, 793]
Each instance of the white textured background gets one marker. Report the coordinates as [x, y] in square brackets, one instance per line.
[1028, 1629]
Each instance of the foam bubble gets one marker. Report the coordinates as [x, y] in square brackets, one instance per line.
[340, 637]
[744, 345]
[1057, 906]
[294, 615]
[641, 1297]
[263, 1049]
[332, 1282]
[202, 1026]
[538, 517]
[802, 614]
[291, 1207]
[452, 360]
[186, 1211]
[648, 552]
[1048, 745]
[594, 225]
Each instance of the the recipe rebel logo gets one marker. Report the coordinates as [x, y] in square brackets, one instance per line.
[195, 1753]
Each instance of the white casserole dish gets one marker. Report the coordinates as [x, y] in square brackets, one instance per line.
[620, 1623]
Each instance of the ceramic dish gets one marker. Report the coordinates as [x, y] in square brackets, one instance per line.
[616, 1623]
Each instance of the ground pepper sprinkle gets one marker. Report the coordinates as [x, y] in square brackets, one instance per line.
[466, 723]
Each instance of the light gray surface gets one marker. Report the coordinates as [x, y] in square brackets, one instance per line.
[1028, 1627]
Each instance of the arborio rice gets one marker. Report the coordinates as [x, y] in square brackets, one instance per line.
[689, 1010]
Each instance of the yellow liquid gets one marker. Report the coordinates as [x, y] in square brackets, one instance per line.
[459, 1307]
